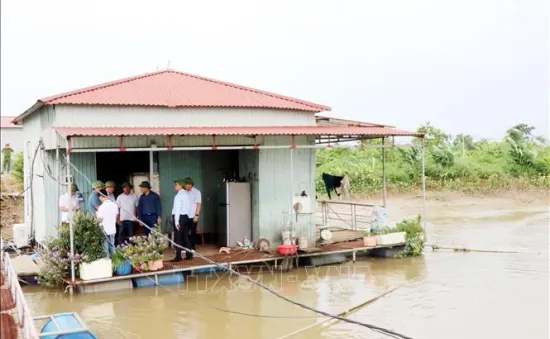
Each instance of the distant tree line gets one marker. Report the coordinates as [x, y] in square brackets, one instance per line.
[520, 160]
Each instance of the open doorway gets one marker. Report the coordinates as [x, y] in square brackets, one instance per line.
[120, 166]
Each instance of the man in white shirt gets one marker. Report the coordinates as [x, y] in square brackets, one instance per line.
[182, 220]
[127, 202]
[69, 204]
[107, 213]
[110, 188]
[195, 200]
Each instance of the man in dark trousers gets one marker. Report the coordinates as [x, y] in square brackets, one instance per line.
[149, 207]
[6, 158]
[183, 220]
[195, 201]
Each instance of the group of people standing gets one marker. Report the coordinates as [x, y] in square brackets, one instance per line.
[117, 215]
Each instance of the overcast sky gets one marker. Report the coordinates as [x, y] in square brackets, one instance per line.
[472, 66]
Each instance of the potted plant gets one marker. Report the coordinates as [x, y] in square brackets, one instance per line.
[145, 253]
[369, 239]
[155, 262]
[156, 247]
[121, 265]
[88, 240]
[134, 250]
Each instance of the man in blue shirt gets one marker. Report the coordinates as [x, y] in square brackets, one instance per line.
[93, 201]
[149, 207]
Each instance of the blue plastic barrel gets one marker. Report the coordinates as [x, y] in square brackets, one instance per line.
[164, 279]
[207, 270]
[65, 321]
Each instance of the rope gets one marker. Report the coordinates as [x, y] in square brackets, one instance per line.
[267, 288]
[350, 310]
[465, 249]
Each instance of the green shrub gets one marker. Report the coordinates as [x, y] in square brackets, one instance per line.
[17, 166]
[414, 239]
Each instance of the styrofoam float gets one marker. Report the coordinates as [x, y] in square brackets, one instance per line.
[98, 269]
[390, 238]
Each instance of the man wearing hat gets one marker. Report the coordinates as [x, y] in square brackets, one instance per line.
[110, 188]
[128, 203]
[149, 207]
[195, 201]
[6, 158]
[182, 220]
[94, 202]
[69, 204]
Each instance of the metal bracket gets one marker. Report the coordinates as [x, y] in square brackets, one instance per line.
[122, 148]
[214, 147]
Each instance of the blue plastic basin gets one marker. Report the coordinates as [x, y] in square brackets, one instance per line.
[65, 321]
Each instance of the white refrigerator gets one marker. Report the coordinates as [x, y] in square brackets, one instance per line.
[234, 213]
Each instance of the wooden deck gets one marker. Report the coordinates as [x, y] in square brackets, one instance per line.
[243, 257]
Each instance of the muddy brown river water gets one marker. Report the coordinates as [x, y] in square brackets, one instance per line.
[443, 294]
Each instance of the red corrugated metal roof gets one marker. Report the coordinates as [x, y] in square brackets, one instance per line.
[6, 122]
[273, 130]
[329, 121]
[170, 88]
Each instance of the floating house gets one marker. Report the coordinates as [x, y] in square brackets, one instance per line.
[167, 125]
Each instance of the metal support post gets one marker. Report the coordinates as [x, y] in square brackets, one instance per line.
[71, 230]
[58, 178]
[424, 187]
[384, 172]
[291, 177]
[151, 169]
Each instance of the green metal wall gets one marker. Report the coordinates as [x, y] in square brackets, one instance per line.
[86, 163]
[174, 165]
[275, 193]
[248, 167]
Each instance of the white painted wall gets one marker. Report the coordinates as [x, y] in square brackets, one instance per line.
[131, 116]
[35, 207]
[13, 136]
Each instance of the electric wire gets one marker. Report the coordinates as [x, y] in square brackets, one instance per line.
[267, 288]
[31, 226]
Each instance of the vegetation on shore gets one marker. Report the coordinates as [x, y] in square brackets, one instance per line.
[520, 160]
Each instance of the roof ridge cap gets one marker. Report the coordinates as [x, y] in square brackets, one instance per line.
[250, 89]
[101, 86]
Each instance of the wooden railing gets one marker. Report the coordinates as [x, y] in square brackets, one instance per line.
[24, 317]
[344, 214]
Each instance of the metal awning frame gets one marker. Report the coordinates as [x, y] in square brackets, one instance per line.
[292, 147]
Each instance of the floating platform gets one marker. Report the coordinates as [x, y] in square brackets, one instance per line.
[198, 266]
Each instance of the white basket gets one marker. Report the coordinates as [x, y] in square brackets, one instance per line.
[390, 239]
[98, 269]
